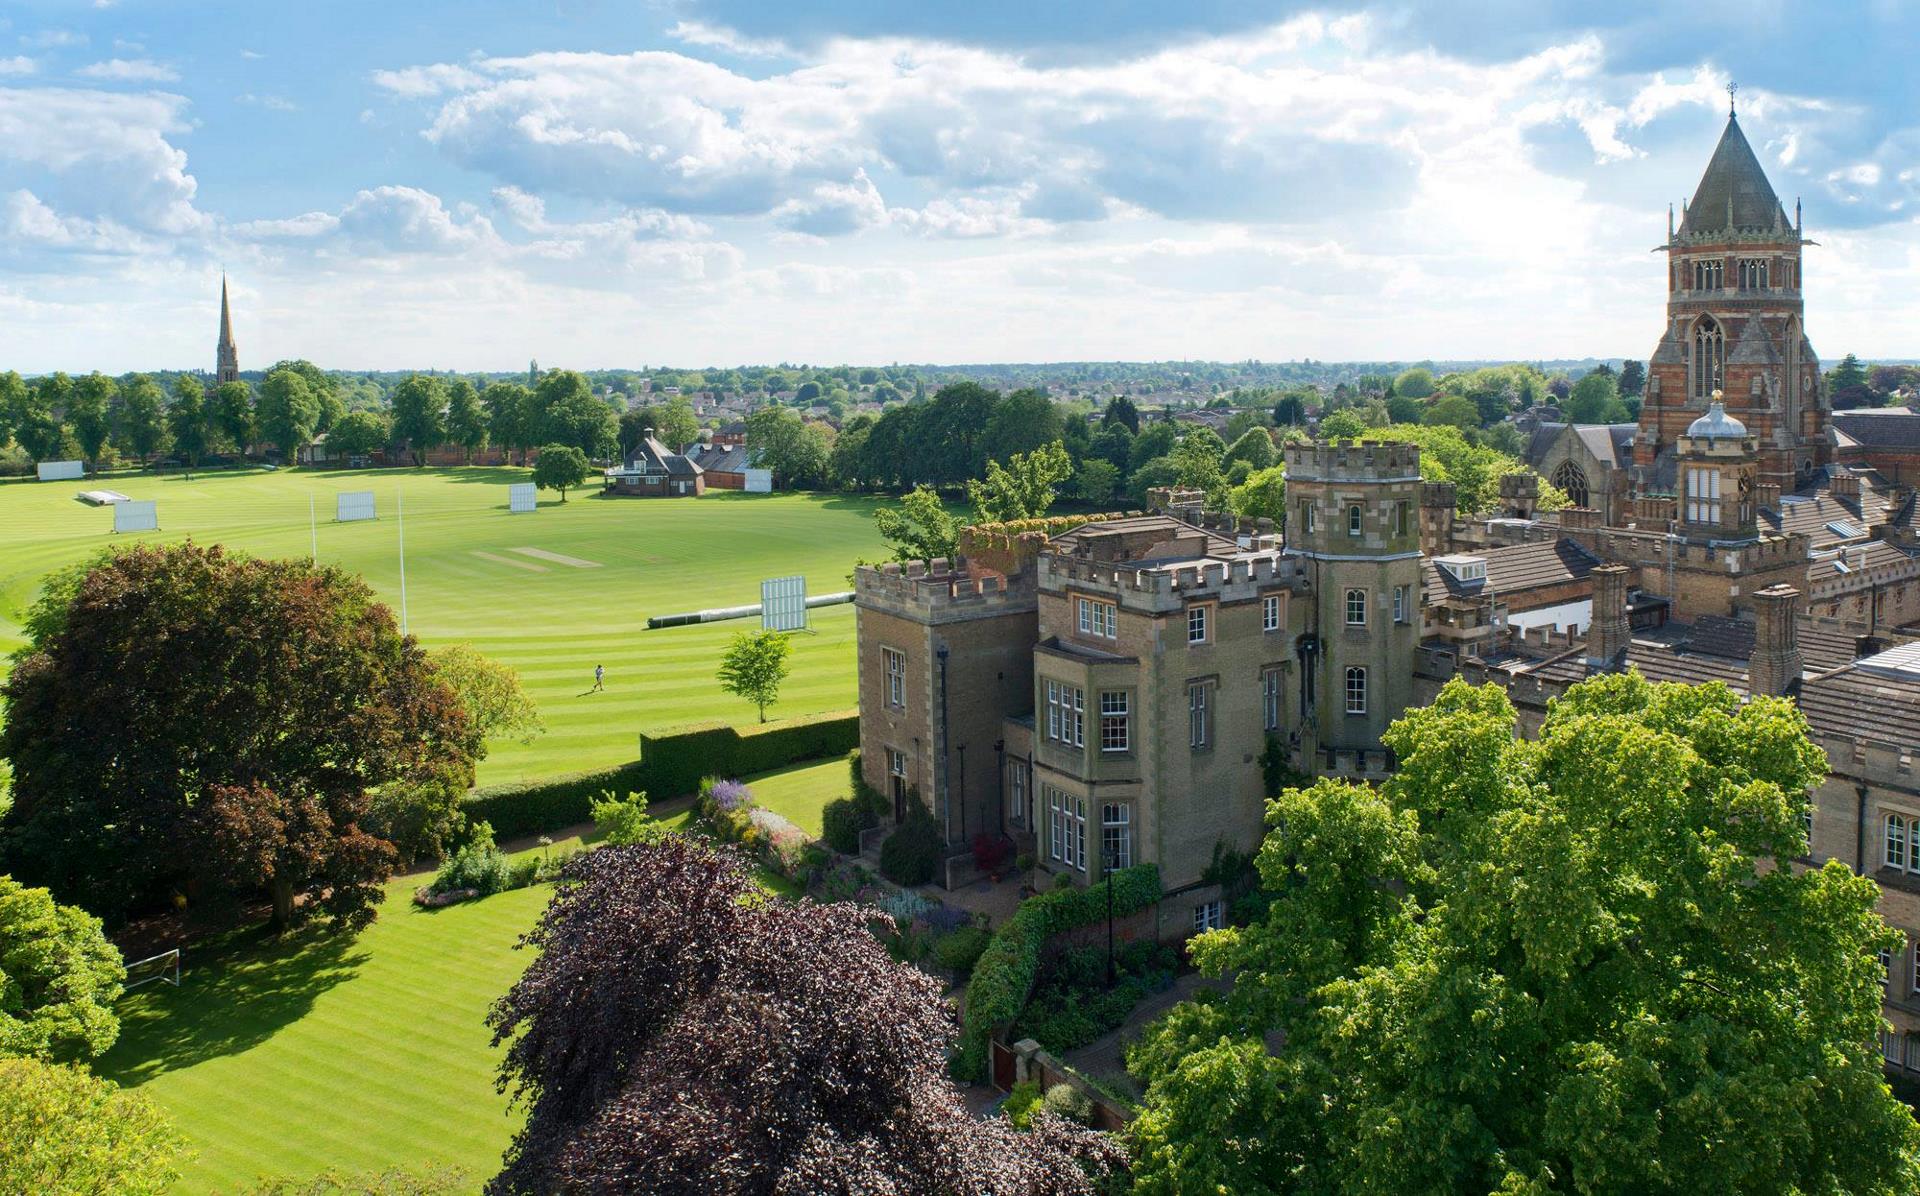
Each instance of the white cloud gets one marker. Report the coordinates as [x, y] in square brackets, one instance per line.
[732, 41]
[835, 209]
[98, 154]
[272, 103]
[19, 64]
[53, 39]
[130, 70]
[251, 55]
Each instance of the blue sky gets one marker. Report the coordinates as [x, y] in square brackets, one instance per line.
[426, 184]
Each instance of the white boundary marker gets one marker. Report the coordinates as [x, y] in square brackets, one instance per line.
[354, 505]
[136, 517]
[783, 604]
[522, 498]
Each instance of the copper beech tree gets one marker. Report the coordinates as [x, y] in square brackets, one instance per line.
[191, 721]
[681, 1033]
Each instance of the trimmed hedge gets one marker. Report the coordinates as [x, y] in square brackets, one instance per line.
[671, 764]
[911, 854]
[1004, 975]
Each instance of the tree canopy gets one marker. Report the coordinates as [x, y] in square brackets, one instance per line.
[754, 666]
[1023, 488]
[918, 527]
[196, 721]
[64, 1131]
[679, 1034]
[59, 978]
[1569, 964]
[559, 467]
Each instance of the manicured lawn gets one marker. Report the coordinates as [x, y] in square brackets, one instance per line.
[291, 1058]
[550, 619]
[799, 794]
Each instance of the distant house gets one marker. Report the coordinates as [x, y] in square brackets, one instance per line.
[730, 435]
[652, 470]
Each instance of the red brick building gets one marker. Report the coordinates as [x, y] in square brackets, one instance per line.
[1734, 324]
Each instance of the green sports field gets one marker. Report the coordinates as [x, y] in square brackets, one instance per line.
[551, 593]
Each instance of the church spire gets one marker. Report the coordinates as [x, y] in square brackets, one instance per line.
[226, 356]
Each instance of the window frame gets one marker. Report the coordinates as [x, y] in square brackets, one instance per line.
[1270, 689]
[894, 661]
[1199, 715]
[1116, 830]
[1402, 604]
[1356, 521]
[1209, 915]
[1122, 717]
[1355, 594]
[1270, 612]
[1097, 618]
[1199, 618]
[1067, 827]
[1356, 683]
[1017, 792]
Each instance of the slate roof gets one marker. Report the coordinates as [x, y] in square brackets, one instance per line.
[1610, 444]
[1824, 644]
[1897, 427]
[724, 460]
[1734, 192]
[1544, 434]
[1516, 569]
[1818, 507]
[655, 457]
[1857, 703]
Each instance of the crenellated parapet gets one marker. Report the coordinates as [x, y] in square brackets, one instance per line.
[1161, 588]
[941, 591]
[1347, 461]
[1870, 761]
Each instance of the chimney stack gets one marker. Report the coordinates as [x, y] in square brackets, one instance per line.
[1437, 502]
[1520, 494]
[1608, 637]
[1775, 666]
[1768, 496]
[1845, 484]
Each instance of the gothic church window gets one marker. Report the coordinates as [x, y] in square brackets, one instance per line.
[1570, 481]
[1753, 274]
[1707, 360]
[1709, 275]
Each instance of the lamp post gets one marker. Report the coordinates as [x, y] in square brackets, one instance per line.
[1106, 863]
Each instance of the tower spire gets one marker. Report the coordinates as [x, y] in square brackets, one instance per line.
[1733, 89]
[226, 356]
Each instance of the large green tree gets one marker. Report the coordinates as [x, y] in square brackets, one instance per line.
[64, 1132]
[1570, 964]
[1022, 422]
[510, 416]
[1023, 488]
[420, 414]
[187, 419]
[143, 417]
[575, 417]
[559, 467]
[59, 978]
[324, 387]
[359, 434]
[230, 413]
[676, 426]
[796, 451]
[466, 419]
[919, 527]
[37, 421]
[1595, 399]
[288, 413]
[197, 722]
[90, 415]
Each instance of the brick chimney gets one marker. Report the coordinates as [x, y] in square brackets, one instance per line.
[1845, 484]
[1609, 635]
[1767, 494]
[1775, 665]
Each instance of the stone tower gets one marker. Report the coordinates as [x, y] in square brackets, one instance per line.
[1734, 324]
[1354, 515]
[226, 356]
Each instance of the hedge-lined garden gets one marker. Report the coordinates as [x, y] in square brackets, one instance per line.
[1003, 978]
[671, 763]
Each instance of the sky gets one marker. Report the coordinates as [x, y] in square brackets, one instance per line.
[431, 184]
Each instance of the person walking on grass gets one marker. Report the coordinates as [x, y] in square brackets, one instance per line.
[599, 678]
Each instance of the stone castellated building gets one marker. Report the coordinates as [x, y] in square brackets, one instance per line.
[1104, 696]
[226, 354]
[1735, 325]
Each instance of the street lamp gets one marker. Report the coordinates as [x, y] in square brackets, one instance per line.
[1106, 863]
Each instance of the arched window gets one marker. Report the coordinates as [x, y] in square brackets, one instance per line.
[1354, 518]
[1571, 482]
[1356, 691]
[1708, 357]
[1356, 608]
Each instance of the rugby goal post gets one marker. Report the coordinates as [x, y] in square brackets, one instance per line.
[354, 505]
[783, 604]
[522, 498]
[136, 517]
[62, 471]
[164, 966]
